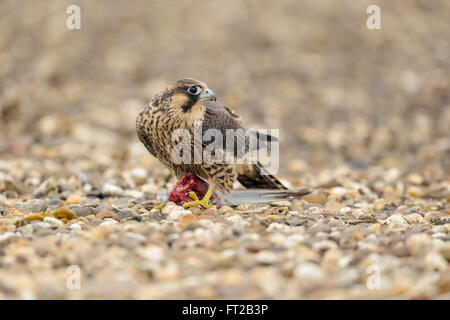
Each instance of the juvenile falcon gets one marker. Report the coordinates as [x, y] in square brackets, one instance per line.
[182, 105]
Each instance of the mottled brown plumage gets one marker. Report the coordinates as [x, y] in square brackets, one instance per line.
[179, 106]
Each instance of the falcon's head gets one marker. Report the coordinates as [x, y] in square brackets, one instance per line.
[184, 98]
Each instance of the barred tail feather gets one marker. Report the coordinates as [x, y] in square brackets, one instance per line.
[259, 178]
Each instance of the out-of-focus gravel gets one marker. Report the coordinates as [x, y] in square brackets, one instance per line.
[364, 118]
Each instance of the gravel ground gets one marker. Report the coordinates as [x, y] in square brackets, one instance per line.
[356, 239]
[365, 124]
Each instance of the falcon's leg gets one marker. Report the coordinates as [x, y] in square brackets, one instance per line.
[159, 206]
[204, 202]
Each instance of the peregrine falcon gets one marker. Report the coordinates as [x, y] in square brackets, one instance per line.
[182, 105]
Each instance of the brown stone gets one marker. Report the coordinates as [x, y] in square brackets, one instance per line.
[315, 198]
[105, 213]
[186, 220]
[74, 199]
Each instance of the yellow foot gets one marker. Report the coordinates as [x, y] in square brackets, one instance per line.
[159, 206]
[204, 202]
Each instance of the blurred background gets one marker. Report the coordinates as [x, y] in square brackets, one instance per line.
[345, 97]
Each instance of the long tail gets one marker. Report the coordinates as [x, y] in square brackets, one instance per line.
[256, 176]
[258, 196]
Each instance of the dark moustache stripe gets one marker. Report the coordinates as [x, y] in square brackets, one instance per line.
[188, 105]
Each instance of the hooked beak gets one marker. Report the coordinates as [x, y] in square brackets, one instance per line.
[208, 94]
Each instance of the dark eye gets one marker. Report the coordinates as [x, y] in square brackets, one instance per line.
[194, 90]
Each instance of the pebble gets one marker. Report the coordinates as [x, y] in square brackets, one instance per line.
[414, 218]
[108, 222]
[347, 277]
[64, 214]
[278, 210]
[266, 257]
[111, 189]
[225, 210]
[320, 227]
[419, 244]
[105, 214]
[186, 219]
[11, 184]
[81, 211]
[41, 225]
[331, 258]
[415, 178]
[414, 191]
[339, 191]
[47, 186]
[324, 245]
[282, 203]
[178, 215]
[4, 238]
[435, 261]
[396, 221]
[293, 240]
[308, 271]
[37, 216]
[139, 175]
[32, 206]
[54, 221]
[74, 199]
[444, 249]
[336, 208]
[126, 213]
[54, 202]
[315, 198]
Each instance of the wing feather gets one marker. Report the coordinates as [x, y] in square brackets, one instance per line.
[249, 175]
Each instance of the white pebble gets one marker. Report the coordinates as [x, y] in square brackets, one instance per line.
[75, 226]
[339, 191]
[278, 227]
[7, 235]
[139, 173]
[152, 253]
[346, 209]
[266, 257]
[234, 218]
[294, 239]
[136, 236]
[308, 271]
[324, 245]
[133, 193]
[177, 215]
[395, 221]
[108, 222]
[54, 221]
[111, 189]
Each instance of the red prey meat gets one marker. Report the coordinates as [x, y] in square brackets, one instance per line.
[190, 182]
